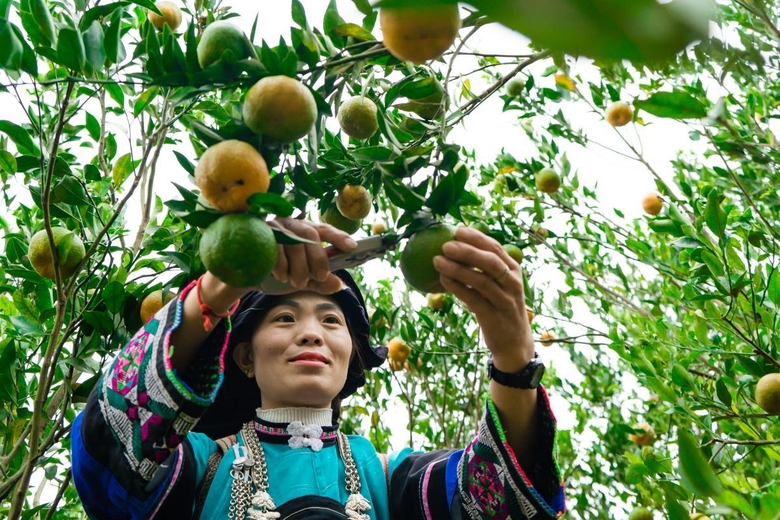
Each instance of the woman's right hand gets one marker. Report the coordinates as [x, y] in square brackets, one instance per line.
[305, 266]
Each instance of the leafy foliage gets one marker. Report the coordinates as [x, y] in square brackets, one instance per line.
[668, 320]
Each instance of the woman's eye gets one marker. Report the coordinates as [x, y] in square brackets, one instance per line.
[332, 319]
[287, 318]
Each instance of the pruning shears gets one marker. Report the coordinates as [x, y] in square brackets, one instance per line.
[367, 249]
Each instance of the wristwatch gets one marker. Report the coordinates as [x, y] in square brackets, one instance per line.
[527, 378]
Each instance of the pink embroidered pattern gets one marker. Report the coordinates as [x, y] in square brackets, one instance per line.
[486, 486]
[128, 364]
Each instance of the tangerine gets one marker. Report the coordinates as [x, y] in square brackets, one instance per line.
[281, 108]
[228, 173]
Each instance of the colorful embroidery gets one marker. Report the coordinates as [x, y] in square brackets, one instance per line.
[485, 483]
[128, 364]
[141, 398]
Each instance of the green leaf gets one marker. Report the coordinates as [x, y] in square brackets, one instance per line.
[712, 262]
[332, 19]
[93, 45]
[299, 14]
[20, 137]
[185, 163]
[70, 191]
[112, 42]
[773, 286]
[714, 215]
[144, 100]
[676, 105]
[273, 203]
[8, 371]
[7, 162]
[42, 13]
[115, 91]
[93, 126]
[355, 31]
[26, 327]
[13, 51]
[372, 153]
[70, 49]
[403, 197]
[123, 167]
[290, 239]
[114, 296]
[675, 509]
[696, 473]
[723, 392]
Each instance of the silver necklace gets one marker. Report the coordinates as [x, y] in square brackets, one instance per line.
[249, 468]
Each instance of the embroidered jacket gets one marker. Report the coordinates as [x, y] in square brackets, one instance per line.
[134, 456]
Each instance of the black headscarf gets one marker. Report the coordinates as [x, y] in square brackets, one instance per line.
[239, 395]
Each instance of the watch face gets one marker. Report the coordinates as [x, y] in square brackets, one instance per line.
[536, 377]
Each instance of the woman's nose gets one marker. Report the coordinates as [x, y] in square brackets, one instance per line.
[310, 339]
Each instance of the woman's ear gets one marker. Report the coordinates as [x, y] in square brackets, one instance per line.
[244, 358]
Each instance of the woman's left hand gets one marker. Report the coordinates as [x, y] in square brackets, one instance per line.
[476, 269]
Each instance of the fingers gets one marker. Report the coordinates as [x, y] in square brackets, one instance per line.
[473, 300]
[484, 284]
[300, 263]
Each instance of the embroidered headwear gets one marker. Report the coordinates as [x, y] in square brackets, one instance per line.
[239, 396]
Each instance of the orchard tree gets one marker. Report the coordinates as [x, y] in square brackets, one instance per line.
[103, 98]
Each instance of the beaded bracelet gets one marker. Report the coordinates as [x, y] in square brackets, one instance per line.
[207, 312]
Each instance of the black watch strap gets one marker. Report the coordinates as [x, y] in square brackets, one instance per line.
[528, 378]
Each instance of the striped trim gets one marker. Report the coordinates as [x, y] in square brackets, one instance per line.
[172, 482]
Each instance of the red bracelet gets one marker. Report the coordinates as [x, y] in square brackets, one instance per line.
[207, 312]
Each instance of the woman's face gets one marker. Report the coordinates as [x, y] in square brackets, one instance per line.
[301, 351]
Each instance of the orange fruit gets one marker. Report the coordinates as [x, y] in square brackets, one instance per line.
[395, 366]
[353, 201]
[640, 513]
[281, 108]
[437, 301]
[417, 257]
[221, 36]
[768, 393]
[619, 113]
[652, 203]
[70, 252]
[357, 117]
[643, 439]
[377, 228]
[547, 180]
[171, 16]
[239, 249]
[514, 252]
[398, 351]
[333, 216]
[419, 33]
[153, 303]
[515, 87]
[545, 337]
[228, 173]
[530, 315]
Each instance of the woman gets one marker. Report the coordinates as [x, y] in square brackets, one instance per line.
[267, 386]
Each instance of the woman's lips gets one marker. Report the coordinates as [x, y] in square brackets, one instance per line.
[310, 358]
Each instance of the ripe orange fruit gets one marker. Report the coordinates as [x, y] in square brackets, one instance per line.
[228, 173]
[153, 303]
[417, 257]
[353, 201]
[768, 393]
[530, 315]
[398, 351]
[643, 439]
[514, 252]
[547, 180]
[545, 337]
[619, 113]
[652, 203]
[333, 216]
[640, 513]
[171, 16]
[437, 301]
[281, 108]
[70, 252]
[419, 33]
[239, 249]
[395, 366]
[221, 36]
[377, 228]
[357, 117]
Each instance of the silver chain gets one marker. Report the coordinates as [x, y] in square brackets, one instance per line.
[252, 468]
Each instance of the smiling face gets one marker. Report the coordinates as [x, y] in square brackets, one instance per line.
[300, 352]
